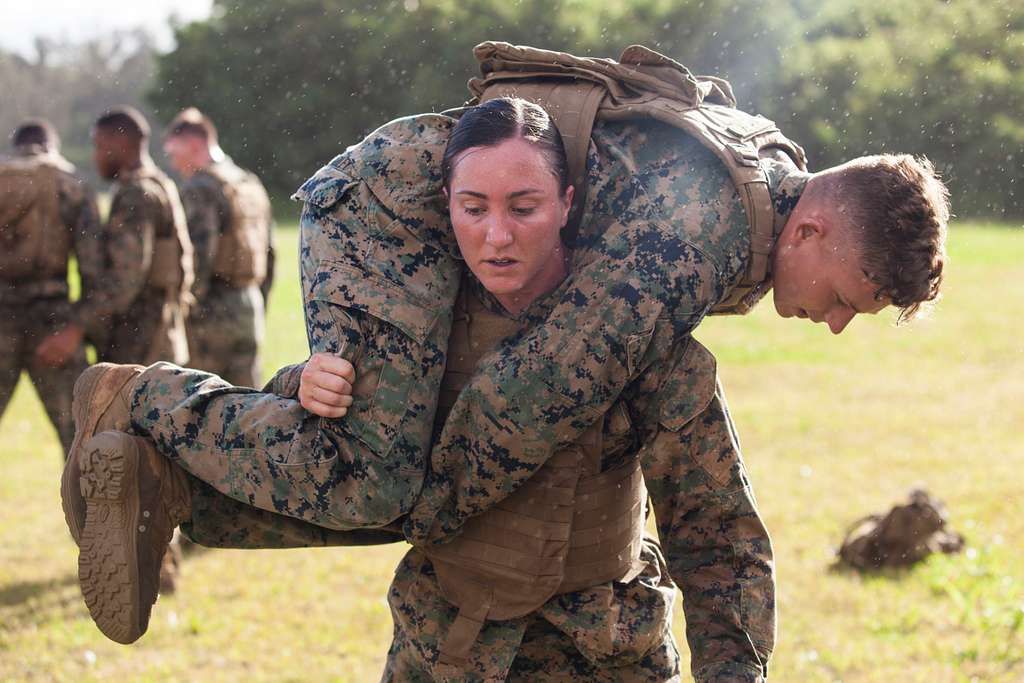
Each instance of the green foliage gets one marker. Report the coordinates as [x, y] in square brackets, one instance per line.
[293, 82]
[942, 79]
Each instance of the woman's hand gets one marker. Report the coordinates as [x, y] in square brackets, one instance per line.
[325, 386]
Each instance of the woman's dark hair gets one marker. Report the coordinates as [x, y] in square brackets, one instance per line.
[501, 119]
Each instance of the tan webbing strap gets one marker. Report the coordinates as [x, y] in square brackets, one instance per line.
[762, 228]
[573, 106]
[464, 632]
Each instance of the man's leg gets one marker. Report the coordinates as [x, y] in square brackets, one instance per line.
[12, 343]
[218, 521]
[266, 450]
[55, 385]
[224, 335]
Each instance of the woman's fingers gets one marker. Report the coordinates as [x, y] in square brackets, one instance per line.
[335, 365]
[324, 410]
[329, 382]
[331, 398]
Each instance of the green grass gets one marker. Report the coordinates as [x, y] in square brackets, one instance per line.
[832, 428]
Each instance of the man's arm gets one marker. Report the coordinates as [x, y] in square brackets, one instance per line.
[717, 547]
[205, 208]
[268, 279]
[129, 237]
[546, 386]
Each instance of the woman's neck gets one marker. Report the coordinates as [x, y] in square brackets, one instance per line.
[545, 283]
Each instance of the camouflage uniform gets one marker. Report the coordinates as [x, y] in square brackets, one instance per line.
[226, 323]
[664, 237]
[33, 309]
[135, 319]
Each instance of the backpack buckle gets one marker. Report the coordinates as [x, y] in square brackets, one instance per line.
[745, 155]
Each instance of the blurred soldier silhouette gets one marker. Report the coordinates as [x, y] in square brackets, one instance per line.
[230, 222]
[46, 213]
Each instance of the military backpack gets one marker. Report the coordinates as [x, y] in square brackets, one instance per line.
[34, 242]
[241, 257]
[644, 84]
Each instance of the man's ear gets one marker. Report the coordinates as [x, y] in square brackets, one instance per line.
[569, 193]
[810, 227]
[446, 197]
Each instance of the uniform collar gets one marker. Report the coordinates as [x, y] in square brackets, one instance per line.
[786, 184]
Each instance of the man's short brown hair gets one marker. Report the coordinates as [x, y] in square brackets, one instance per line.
[126, 121]
[36, 132]
[897, 208]
[191, 121]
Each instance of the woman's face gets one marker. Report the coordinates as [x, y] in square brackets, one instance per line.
[507, 210]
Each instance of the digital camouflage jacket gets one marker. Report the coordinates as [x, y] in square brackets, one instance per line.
[663, 239]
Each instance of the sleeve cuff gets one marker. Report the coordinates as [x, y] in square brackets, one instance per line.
[285, 382]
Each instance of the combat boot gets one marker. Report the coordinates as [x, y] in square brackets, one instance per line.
[101, 401]
[135, 498]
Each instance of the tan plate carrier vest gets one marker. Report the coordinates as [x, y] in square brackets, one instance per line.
[569, 527]
[171, 270]
[645, 84]
[34, 242]
[241, 258]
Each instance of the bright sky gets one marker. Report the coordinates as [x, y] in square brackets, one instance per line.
[76, 20]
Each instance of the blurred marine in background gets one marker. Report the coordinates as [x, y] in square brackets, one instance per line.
[230, 223]
[46, 213]
[140, 304]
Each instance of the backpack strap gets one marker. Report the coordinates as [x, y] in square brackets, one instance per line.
[645, 84]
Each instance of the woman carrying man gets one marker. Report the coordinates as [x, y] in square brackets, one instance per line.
[545, 572]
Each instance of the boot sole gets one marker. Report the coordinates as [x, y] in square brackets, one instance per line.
[91, 382]
[108, 560]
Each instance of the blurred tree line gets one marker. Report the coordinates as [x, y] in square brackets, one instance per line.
[292, 82]
[72, 83]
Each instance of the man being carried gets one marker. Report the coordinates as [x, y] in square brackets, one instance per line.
[664, 238]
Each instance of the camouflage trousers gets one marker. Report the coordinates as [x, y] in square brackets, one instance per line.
[22, 328]
[225, 331]
[266, 451]
[533, 648]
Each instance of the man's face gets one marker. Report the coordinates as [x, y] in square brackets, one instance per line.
[183, 151]
[106, 153]
[817, 275]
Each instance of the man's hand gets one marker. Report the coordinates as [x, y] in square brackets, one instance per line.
[325, 387]
[59, 347]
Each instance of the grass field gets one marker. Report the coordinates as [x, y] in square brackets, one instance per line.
[832, 428]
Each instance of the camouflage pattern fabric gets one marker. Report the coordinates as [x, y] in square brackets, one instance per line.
[22, 328]
[538, 647]
[673, 416]
[664, 238]
[31, 310]
[128, 320]
[225, 324]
